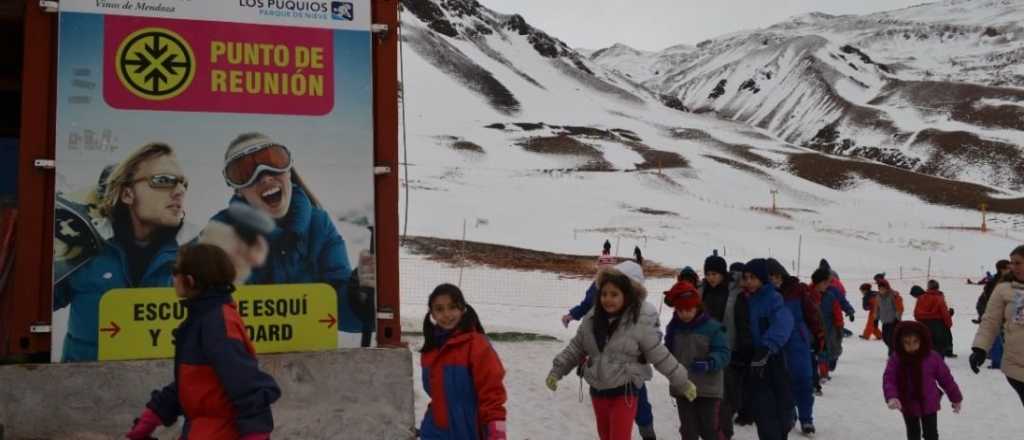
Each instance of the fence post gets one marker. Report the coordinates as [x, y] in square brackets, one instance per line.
[799, 254]
[462, 256]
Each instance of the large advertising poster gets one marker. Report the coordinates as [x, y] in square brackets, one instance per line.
[242, 123]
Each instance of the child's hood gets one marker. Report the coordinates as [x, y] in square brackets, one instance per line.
[631, 270]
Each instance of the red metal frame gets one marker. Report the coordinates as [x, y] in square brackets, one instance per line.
[385, 134]
[29, 300]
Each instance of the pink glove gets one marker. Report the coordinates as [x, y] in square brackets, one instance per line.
[144, 426]
[496, 430]
[256, 436]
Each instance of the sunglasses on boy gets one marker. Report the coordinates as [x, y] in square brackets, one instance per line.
[244, 167]
[163, 181]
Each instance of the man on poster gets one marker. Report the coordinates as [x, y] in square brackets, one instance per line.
[142, 215]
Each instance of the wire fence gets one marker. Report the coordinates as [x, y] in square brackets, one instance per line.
[545, 290]
[498, 287]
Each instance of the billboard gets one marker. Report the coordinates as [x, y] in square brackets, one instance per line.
[168, 113]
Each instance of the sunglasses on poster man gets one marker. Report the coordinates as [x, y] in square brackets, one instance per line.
[245, 167]
[163, 181]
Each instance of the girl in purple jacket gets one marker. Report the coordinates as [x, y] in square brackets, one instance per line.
[910, 380]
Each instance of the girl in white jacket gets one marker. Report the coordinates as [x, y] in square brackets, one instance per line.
[617, 343]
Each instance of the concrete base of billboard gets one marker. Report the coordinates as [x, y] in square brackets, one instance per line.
[343, 394]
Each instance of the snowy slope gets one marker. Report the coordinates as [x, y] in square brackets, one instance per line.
[925, 88]
[531, 150]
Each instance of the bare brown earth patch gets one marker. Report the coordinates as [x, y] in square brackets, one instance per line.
[568, 146]
[957, 147]
[840, 174]
[738, 165]
[740, 151]
[507, 257]
[467, 146]
[656, 159]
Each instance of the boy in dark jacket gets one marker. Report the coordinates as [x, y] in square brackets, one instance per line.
[889, 310]
[217, 385]
[771, 326]
[833, 306]
[725, 302]
[698, 342]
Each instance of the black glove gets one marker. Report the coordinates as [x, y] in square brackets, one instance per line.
[951, 312]
[977, 358]
[759, 362]
[850, 316]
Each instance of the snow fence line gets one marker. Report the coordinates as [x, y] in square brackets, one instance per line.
[341, 394]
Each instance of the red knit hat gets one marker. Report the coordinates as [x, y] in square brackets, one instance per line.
[683, 296]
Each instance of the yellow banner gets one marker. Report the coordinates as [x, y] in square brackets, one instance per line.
[139, 323]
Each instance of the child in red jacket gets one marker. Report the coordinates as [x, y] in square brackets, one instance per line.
[218, 385]
[932, 311]
[462, 373]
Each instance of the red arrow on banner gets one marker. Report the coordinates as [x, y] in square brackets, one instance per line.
[329, 320]
[113, 329]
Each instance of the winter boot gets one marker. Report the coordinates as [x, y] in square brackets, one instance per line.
[647, 432]
[807, 429]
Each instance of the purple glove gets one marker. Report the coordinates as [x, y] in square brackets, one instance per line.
[256, 436]
[702, 365]
[144, 426]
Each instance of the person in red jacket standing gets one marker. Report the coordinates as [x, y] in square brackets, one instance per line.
[932, 311]
[218, 385]
[462, 373]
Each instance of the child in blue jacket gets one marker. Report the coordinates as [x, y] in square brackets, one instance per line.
[462, 373]
[698, 342]
[771, 325]
[218, 385]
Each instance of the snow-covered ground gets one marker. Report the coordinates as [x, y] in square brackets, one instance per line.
[852, 407]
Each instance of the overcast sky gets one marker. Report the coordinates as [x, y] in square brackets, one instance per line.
[657, 24]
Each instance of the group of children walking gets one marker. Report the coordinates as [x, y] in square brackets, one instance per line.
[749, 341]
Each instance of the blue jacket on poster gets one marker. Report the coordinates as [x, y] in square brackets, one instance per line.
[771, 324]
[305, 247]
[584, 306]
[83, 289]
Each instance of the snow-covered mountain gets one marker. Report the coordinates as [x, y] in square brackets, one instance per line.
[936, 88]
[527, 142]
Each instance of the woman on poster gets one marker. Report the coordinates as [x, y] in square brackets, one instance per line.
[305, 246]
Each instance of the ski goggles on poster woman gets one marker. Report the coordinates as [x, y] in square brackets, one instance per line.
[245, 166]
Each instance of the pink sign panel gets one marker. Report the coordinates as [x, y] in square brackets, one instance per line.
[205, 66]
